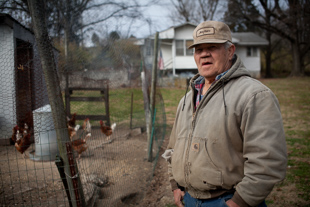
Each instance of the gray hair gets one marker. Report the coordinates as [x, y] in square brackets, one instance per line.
[228, 44]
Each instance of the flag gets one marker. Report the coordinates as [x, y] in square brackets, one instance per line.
[160, 61]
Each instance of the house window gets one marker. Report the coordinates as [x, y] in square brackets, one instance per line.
[189, 52]
[181, 48]
[252, 52]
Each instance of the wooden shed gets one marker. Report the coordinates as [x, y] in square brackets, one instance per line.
[22, 83]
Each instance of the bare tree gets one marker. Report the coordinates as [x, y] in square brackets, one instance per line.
[207, 9]
[289, 19]
[183, 10]
[194, 11]
[76, 195]
[67, 17]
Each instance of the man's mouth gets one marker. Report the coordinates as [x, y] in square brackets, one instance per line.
[206, 63]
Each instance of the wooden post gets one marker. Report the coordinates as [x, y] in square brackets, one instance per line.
[153, 96]
[107, 102]
[146, 100]
[67, 92]
[131, 109]
[45, 48]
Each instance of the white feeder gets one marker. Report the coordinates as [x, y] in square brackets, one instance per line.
[44, 135]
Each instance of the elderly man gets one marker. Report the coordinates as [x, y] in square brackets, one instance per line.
[227, 146]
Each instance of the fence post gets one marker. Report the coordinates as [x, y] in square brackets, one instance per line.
[153, 95]
[131, 110]
[150, 147]
[145, 99]
[37, 12]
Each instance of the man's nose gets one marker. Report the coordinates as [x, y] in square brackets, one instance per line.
[205, 53]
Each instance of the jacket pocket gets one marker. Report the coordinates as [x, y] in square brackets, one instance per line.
[177, 160]
[203, 174]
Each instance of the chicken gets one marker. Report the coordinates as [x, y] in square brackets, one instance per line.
[22, 133]
[72, 131]
[26, 129]
[15, 131]
[87, 126]
[71, 122]
[72, 128]
[80, 145]
[22, 142]
[106, 129]
[28, 120]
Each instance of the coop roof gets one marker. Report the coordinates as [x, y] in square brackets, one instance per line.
[8, 20]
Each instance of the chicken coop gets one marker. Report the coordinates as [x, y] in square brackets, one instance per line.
[100, 166]
[22, 83]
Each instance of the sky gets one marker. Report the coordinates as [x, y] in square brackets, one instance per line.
[157, 14]
[160, 16]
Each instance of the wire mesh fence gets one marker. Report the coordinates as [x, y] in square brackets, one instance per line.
[102, 85]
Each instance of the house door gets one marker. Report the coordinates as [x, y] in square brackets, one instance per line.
[24, 80]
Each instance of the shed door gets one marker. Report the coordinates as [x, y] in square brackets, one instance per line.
[24, 80]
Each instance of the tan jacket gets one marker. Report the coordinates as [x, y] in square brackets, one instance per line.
[234, 140]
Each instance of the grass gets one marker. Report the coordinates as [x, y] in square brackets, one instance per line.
[294, 98]
[171, 98]
[119, 103]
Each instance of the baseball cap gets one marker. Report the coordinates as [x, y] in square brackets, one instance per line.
[211, 32]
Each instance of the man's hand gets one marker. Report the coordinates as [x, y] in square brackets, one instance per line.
[230, 203]
[178, 197]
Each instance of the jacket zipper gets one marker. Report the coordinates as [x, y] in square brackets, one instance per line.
[187, 164]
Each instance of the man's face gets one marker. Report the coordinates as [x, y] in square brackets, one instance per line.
[213, 59]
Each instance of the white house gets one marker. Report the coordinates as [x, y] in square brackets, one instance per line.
[178, 59]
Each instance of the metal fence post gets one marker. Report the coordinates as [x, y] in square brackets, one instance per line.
[153, 94]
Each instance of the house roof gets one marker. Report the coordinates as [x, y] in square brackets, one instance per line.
[248, 38]
[238, 38]
[180, 25]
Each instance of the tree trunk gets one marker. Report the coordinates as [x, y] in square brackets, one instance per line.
[297, 69]
[268, 56]
[269, 47]
[45, 49]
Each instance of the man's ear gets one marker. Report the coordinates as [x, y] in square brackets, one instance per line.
[231, 51]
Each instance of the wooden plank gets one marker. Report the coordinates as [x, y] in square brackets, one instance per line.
[91, 117]
[99, 99]
[104, 98]
[86, 89]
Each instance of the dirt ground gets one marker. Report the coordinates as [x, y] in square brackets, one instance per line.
[159, 193]
[113, 173]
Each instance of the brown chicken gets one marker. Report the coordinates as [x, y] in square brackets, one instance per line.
[72, 128]
[22, 140]
[14, 133]
[107, 130]
[28, 120]
[87, 126]
[72, 131]
[80, 145]
[71, 122]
